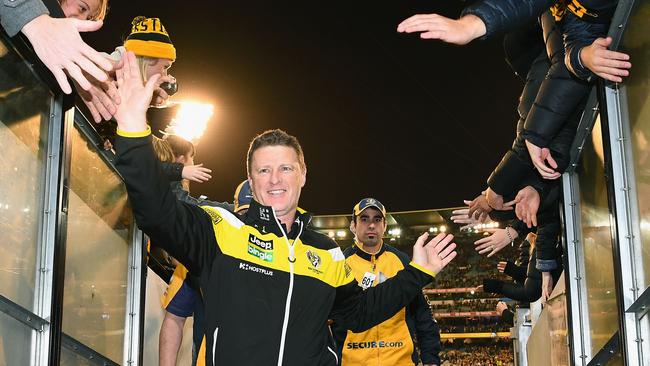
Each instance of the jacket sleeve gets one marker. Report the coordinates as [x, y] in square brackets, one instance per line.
[502, 16]
[548, 232]
[522, 48]
[359, 310]
[173, 171]
[426, 330]
[530, 291]
[339, 332]
[521, 228]
[184, 196]
[14, 14]
[518, 273]
[513, 169]
[577, 35]
[184, 230]
[508, 317]
[493, 286]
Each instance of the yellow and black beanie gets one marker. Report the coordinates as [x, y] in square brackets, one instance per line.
[149, 38]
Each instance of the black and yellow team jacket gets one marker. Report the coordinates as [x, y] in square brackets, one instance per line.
[391, 342]
[267, 295]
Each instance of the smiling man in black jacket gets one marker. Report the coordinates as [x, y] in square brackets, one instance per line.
[270, 283]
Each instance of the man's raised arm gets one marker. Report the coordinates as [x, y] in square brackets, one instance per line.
[360, 310]
[184, 230]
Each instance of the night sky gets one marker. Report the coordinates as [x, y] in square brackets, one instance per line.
[416, 124]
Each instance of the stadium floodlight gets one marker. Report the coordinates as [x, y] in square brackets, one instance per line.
[341, 234]
[331, 234]
[442, 228]
[191, 120]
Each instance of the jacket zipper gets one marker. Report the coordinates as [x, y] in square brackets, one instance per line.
[334, 353]
[375, 283]
[287, 306]
[214, 343]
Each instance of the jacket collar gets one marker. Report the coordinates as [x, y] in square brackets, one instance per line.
[263, 219]
[358, 250]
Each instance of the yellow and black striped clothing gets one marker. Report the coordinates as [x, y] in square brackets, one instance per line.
[267, 295]
[391, 342]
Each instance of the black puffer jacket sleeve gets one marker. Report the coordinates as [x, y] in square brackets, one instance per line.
[530, 291]
[517, 273]
[521, 48]
[550, 108]
[577, 35]
[508, 317]
[521, 228]
[502, 16]
[173, 171]
[548, 231]
[559, 95]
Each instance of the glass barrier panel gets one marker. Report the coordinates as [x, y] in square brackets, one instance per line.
[100, 230]
[617, 360]
[557, 316]
[24, 115]
[69, 357]
[15, 341]
[597, 241]
[637, 87]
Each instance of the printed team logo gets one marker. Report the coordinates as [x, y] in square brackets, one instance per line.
[374, 344]
[314, 259]
[262, 249]
[251, 268]
[348, 269]
[216, 218]
[372, 201]
[265, 214]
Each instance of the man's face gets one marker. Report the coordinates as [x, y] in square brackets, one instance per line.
[276, 178]
[370, 227]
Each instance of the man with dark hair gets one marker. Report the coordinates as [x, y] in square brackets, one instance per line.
[269, 281]
[373, 262]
